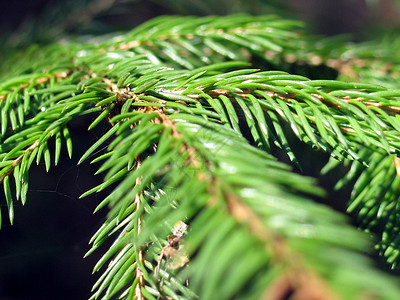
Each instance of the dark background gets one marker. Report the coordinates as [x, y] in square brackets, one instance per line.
[41, 255]
[326, 16]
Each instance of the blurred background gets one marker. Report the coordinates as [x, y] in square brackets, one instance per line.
[41, 255]
[41, 20]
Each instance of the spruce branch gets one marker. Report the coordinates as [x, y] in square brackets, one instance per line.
[374, 198]
[164, 120]
[192, 146]
[373, 61]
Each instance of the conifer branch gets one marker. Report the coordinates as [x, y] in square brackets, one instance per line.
[31, 82]
[200, 207]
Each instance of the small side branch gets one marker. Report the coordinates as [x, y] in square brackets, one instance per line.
[38, 81]
[139, 273]
[18, 161]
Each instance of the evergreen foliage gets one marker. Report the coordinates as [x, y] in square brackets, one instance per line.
[200, 205]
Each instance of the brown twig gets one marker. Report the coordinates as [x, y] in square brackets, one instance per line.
[299, 284]
[139, 273]
[39, 81]
[298, 280]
